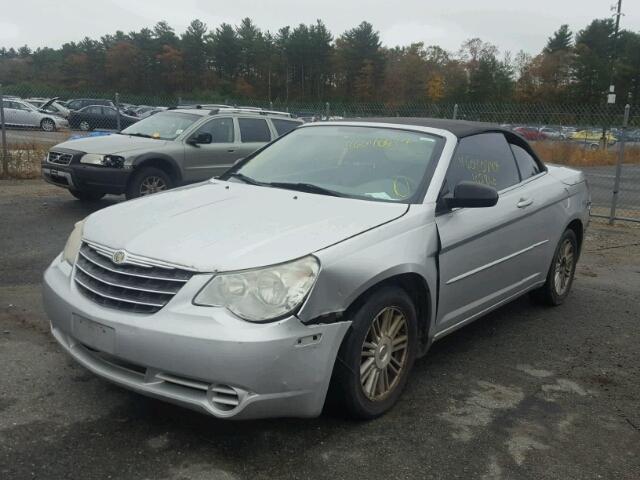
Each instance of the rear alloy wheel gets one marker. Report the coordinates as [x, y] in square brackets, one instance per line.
[84, 126]
[47, 125]
[377, 354]
[560, 275]
[147, 181]
[85, 196]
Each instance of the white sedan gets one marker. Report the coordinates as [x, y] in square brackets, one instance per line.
[18, 113]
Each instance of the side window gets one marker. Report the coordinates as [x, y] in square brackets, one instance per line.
[94, 110]
[254, 130]
[284, 126]
[21, 106]
[485, 158]
[221, 130]
[526, 163]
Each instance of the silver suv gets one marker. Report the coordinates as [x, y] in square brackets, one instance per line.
[176, 147]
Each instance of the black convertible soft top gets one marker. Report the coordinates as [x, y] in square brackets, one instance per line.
[460, 128]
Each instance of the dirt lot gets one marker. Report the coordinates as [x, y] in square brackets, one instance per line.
[525, 393]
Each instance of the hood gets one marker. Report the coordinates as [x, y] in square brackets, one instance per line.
[112, 144]
[221, 226]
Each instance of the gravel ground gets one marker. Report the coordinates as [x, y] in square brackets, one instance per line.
[524, 393]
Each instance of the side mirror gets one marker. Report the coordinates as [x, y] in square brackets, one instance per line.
[471, 195]
[201, 139]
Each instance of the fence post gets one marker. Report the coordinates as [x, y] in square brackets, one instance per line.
[327, 110]
[5, 153]
[616, 184]
[118, 111]
[455, 111]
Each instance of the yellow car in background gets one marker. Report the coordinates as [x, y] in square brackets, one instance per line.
[592, 136]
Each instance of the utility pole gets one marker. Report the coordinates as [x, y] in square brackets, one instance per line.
[611, 93]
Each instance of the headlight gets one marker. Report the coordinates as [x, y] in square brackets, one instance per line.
[113, 161]
[72, 246]
[263, 293]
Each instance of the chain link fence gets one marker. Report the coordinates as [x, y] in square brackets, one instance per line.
[601, 140]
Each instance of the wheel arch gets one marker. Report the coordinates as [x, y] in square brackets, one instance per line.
[161, 161]
[417, 287]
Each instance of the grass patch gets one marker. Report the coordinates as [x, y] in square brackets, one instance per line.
[579, 155]
[24, 161]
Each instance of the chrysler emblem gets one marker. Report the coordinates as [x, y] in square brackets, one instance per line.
[119, 257]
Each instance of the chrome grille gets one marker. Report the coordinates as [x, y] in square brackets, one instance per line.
[135, 288]
[59, 158]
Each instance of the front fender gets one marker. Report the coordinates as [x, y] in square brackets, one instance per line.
[348, 269]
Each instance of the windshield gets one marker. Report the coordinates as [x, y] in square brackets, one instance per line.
[359, 162]
[163, 126]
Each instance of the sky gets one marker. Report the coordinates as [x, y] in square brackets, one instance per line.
[512, 25]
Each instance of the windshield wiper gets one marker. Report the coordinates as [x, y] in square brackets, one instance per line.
[306, 187]
[142, 135]
[246, 179]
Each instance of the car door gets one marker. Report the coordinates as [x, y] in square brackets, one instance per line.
[254, 133]
[23, 115]
[109, 118]
[204, 161]
[485, 252]
[11, 113]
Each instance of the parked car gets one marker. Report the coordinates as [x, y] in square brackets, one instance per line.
[592, 137]
[19, 113]
[170, 148]
[96, 116]
[530, 133]
[50, 105]
[80, 103]
[332, 258]
[553, 133]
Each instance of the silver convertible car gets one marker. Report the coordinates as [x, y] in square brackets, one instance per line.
[323, 264]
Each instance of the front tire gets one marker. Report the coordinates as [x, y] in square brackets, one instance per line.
[85, 126]
[561, 273]
[377, 354]
[146, 181]
[85, 196]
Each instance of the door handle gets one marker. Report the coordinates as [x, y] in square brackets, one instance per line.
[524, 202]
[231, 150]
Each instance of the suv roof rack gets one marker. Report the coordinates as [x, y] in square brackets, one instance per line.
[215, 109]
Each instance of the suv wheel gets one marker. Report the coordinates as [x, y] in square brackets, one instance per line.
[85, 196]
[147, 181]
[47, 125]
[85, 126]
[377, 354]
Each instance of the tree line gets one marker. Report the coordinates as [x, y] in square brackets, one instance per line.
[307, 63]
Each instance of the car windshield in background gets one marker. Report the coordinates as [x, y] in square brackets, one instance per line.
[359, 162]
[163, 126]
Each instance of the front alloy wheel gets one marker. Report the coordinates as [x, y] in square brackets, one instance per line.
[84, 126]
[152, 184]
[384, 353]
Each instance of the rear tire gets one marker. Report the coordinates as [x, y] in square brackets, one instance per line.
[47, 125]
[373, 362]
[561, 272]
[146, 181]
[85, 196]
